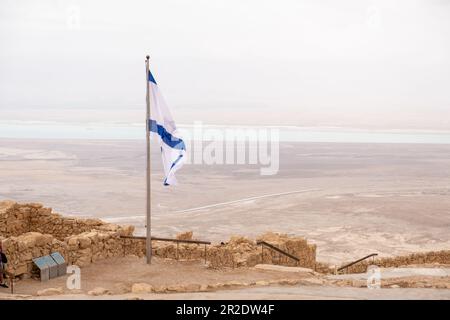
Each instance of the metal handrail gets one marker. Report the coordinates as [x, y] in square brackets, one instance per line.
[271, 246]
[178, 241]
[356, 261]
[167, 239]
[11, 277]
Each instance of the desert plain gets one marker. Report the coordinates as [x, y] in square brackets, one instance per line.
[350, 199]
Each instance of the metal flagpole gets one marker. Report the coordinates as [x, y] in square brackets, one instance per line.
[148, 246]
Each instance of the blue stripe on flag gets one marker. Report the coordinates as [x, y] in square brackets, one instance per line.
[150, 77]
[171, 167]
[176, 161]
[166, 137]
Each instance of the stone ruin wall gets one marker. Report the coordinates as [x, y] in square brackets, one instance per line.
[29, 231]
[17, 219]
[237, 252]
[434, 257]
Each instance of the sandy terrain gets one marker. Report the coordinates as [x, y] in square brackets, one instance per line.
[353, 199]
[118, 275]
[272, 293]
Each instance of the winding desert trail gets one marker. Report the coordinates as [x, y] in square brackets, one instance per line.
[245, 199]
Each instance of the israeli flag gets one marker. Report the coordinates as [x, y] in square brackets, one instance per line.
[161, 124]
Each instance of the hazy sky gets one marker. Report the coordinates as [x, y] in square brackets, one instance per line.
[349, 62]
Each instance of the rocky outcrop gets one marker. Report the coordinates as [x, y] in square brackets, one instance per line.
[50, 292]
[141, 288]
[99, 291]
[185, 235]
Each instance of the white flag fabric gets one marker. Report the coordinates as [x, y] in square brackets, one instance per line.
[161, 124]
